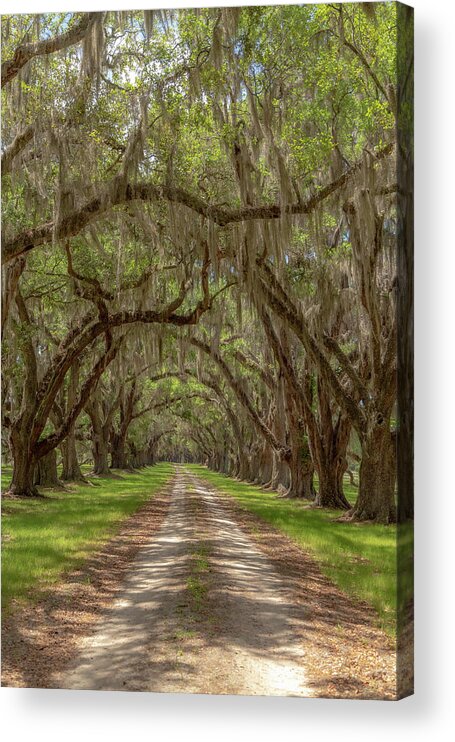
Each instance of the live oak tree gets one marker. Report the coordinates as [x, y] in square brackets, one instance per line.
[211, 195]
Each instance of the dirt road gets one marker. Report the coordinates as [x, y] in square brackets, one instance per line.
[202, 611]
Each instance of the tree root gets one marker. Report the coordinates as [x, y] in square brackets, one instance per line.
[11, 495]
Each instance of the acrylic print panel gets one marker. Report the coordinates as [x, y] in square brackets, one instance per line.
[208, 350]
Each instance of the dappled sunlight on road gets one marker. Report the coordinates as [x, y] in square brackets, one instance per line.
[240, 639]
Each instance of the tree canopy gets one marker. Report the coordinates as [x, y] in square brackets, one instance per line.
[200, 244]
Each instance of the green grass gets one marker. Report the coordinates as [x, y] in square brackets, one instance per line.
[44, 538]
[359, 558]
[199, 567]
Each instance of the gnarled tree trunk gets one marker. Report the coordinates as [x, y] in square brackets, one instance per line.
[71, 471]
[281, 475]
[100, 451]
[100, 441]
[302, 472]
[22, 483]
[331, 466]
[377, 474]
[119, 459]
[265, 465]
[46, 474]
[300, 463]
[330, 493]
[244, 467]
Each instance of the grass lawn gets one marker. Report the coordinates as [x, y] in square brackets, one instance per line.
[360, 558]
[43, 538]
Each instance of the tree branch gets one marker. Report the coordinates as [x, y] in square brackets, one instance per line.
[25, 52]
[298, 326]
[48, 444]
[332, 345]
[17, 145]
[242, 397]
[117, 192]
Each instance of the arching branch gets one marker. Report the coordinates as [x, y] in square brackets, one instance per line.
[295, 321]
[242, 397]
[116, 193]
[17, 145]
[25, 52]
[48, 444]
